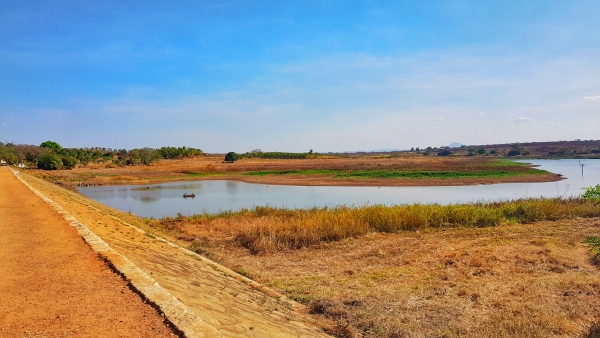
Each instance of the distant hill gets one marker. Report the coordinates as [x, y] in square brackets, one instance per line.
[455, 145]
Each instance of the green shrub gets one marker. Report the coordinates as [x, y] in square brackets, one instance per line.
[69, 162]
[48, 162]
[594, 243]
[231, 157]
[592, 193]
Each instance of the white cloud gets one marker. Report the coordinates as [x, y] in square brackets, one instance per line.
[590, 120]
[593, 98]
[548, 124]
[437, 119]
[520, 119]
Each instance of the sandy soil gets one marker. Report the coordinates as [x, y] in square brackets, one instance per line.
[212, 168]
[234, 308]
[52, 284]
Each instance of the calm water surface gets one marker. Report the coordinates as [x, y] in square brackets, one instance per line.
[213, 196]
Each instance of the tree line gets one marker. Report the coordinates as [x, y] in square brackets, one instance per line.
[50, 155]
[232, 156]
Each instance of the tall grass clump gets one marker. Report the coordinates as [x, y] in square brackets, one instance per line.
[268, 229]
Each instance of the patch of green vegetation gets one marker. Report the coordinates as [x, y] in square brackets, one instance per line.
[425, 174]
[412, 174]
[505, 163]
[594, 243]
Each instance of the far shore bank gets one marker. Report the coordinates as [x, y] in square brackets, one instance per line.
[320, 172]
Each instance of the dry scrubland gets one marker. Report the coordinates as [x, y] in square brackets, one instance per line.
[517, 269]
[358, 171]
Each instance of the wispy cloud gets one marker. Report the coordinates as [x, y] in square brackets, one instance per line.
[552, 124]
[520, 119]
[592, 98]
[437, 119]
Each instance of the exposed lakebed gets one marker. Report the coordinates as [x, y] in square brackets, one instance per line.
[161, 200]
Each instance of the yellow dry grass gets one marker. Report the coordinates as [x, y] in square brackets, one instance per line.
[513, 280]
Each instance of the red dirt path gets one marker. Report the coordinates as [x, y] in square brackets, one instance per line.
[52, 284]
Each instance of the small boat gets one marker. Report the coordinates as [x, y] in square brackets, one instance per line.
[189, 195]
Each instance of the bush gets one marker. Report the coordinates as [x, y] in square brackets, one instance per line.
[69, 162]
[445, 152]
[48, 162]
[231, 157]
[592, 193]
[514, 152]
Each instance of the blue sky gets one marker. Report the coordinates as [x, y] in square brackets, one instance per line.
[298, 75]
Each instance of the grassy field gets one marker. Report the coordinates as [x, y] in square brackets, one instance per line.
[509, 269]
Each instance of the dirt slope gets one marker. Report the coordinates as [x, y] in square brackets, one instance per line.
[52, 284]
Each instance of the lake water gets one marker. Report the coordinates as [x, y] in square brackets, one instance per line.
[213, 196]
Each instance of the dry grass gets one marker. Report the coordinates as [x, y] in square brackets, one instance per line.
[371, 273]
[266, 229]
[519, 280]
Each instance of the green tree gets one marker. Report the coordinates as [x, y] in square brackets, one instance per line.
[48, 162]
[231, 157]
[52, 145]
[69, 162]
[8, 154]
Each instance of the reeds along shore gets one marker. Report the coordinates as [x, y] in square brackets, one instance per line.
[268, 229]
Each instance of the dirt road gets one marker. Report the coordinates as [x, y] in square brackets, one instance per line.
[52, 284]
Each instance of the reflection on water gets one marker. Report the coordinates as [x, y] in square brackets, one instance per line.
[149, 199]
[212, 196]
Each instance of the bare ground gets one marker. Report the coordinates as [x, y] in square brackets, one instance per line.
[52, 284]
